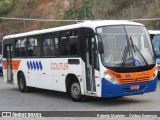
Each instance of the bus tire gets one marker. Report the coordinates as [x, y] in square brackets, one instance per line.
[22, 84]
[74, 91]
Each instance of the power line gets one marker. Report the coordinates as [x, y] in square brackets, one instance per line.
[51, 20]
[151, 19]
[42, 20]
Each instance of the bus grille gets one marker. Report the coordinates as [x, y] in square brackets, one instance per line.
[132, 80]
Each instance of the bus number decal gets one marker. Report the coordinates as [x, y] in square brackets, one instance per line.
[59, 66]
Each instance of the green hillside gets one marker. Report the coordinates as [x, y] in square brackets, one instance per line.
[73, 9]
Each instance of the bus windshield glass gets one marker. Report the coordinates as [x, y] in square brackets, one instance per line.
[126, 46]
[156, 44]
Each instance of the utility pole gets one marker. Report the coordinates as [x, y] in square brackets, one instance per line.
[132, 8]
[24, 25]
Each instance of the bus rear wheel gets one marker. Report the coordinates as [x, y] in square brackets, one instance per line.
[74, 92]
[22, 83]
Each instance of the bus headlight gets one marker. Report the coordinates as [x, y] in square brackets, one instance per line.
[110, 79]
[155, 74]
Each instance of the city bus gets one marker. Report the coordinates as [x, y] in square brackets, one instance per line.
[101, 58]
[1, 68]
[155, 38]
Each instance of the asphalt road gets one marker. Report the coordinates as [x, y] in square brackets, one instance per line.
[44, 100]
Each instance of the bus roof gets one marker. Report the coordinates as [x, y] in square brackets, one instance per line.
[155, 32]
[90, 24]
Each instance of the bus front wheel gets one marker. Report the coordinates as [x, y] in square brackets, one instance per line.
[74, 92]
[22, 83]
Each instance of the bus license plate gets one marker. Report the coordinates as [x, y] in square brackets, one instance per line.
[135, 87]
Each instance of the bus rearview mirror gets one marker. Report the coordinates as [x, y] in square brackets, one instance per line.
[100, 47]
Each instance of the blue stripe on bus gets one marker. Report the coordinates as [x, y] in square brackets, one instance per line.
[1, 67]
[34, 65]
[116, 90]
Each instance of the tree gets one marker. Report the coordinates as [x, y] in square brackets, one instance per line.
[79, 11]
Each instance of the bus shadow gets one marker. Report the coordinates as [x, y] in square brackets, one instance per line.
[116, 101]
[43, 93]
[49, 93]
[90, 100]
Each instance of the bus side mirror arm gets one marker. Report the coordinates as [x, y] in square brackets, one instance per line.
[100, 47]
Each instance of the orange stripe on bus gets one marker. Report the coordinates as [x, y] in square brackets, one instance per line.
[126, 78]
[14, 63]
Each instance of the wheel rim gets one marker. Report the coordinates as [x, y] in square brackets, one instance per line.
[75, 90]
[21, 83]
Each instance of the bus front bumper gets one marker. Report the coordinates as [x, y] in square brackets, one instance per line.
[115, 90]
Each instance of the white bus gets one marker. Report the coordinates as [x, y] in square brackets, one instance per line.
[105, 58]
[1, 70]
[155, 37]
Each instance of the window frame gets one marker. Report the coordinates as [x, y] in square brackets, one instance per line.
[15, 47]
[38, 37]
[77, 30]
[52, 35]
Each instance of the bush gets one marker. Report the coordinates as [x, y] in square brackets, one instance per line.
[6, 6]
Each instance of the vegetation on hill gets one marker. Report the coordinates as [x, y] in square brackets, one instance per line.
[74, 9]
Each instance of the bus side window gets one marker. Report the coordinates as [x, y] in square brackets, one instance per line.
[50, 44]
[64, 47]
[33, 46]
[20, 50]
[69, 43]
[30, 52]
[73, 43]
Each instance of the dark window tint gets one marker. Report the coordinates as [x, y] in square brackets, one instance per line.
[50, 45]
[33, 46]
[156, 44]
[69, 43]
[20, 50]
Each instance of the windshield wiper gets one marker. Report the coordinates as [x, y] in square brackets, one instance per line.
[127, 51]
[130, 49]
[135, 48]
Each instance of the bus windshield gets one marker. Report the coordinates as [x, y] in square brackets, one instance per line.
[156, 44]
[126, 46]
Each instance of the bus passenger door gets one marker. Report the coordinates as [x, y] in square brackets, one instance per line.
[9, 63]
[89, 52]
